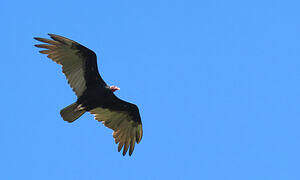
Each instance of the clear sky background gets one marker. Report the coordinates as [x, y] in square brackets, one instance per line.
[217, 84]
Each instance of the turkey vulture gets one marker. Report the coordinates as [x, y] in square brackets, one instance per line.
[79, 64]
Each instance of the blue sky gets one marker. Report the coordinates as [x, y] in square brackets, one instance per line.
[217, 84]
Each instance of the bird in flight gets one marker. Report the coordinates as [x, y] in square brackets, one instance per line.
[79, 64]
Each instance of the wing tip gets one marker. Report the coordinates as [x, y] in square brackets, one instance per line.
[124, 153]
[51, 35]
[139, 134]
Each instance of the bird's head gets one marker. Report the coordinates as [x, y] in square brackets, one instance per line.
[114, 88]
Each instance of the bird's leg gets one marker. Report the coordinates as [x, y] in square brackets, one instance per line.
[80, 107]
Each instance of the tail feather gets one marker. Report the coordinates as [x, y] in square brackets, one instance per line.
[71, 112]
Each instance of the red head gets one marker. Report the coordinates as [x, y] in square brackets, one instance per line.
[114, 88]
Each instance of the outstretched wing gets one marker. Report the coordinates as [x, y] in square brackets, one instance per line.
[79, 63]
[124, 118]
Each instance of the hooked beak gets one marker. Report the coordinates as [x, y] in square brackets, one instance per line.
[114, 88]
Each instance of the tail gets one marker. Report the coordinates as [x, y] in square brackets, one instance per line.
[71, 112]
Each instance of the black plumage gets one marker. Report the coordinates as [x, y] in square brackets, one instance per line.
[79, 64]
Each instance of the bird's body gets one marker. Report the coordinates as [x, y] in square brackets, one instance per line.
[79, 64]
[91, 98]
